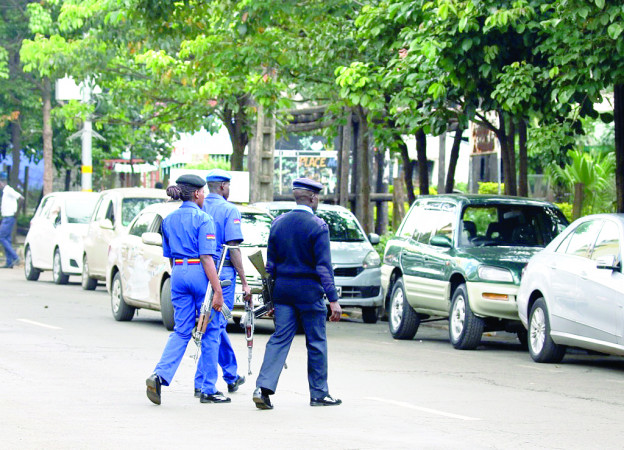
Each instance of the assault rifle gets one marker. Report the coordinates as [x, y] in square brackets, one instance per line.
[206, 309]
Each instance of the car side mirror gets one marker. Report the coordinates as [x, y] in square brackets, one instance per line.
[152, 239]
[373, 238]
[106, 224]
[440, 240]
[608, 263]
[57, 220]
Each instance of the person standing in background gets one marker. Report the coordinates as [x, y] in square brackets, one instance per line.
[299, 261]
[8, 210]
[227, 220]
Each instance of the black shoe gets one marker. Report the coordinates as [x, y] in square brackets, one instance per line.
[328, 400]
[197, 393]
[153, 388]
[7, 266]
[217, 397]
[261, 400]
[233, 387]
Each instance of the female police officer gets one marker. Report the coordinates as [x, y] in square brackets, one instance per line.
[189, 243]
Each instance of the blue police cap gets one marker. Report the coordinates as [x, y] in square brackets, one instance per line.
[307, 184]
[218, 175]
[192, 180]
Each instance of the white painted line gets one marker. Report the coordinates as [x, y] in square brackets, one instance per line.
[32, 322]
[420, 408]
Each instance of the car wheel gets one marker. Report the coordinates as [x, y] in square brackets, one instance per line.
[88, 283]
[402, 320]
[57, 270]
[166, 307]
[30, 272]
[122, 312]
[465, 329]
[523, 338]
[369, 314]
[541, 346]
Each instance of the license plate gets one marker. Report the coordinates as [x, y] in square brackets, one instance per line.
[339, 290]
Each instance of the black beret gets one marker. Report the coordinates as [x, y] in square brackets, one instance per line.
[307, 184]
[191, 180]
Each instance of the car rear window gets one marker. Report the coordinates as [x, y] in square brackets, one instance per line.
[130, 207]
[510, 225]
[79, 210]
[343, 226]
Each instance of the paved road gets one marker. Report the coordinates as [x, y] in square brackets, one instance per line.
[72, 377]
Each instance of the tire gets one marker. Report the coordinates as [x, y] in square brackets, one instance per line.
[403, 321]
[541, 346]
[465, 329]
[369, 314]
[88, 283]
[30, 272]
[122, 312]
[57, 269]
[166, 307]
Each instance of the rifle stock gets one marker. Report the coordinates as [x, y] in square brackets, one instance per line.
[267, 285]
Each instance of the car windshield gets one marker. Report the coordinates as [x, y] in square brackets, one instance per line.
[342, 225]
[510, 225]
[79, 210]
[130, 207]
[255, 228]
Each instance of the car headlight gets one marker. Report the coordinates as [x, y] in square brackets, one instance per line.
[491, 273]
[372, 260]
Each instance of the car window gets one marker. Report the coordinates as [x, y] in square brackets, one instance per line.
[142, 224]
[130, 207]
[79, 210]
[256, 229]
[408, 226]
[510, 225]
[608, 242]
[582, 238]
[102, 208]
[435, 218]
[46, 206]
[343, 226]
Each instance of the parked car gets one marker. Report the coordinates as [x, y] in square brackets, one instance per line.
[114, 211]
[460, 257]
[356, 263]
[138, 275]
[54, 239]
[572, 292]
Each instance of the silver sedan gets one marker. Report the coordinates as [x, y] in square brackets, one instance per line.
[572, 292]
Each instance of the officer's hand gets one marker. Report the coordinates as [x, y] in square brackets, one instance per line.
[217, 301]
[247, 293]
[336, 312]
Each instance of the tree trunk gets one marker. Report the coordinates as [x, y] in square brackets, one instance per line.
[523, 182]
[408, 170]
[343, 162]
[618, 109]
[381, 224]
[423, 170]
[48, 168]
[510, 179]
[363, 186]
[237, 125]
[16, 142]
[454, 157]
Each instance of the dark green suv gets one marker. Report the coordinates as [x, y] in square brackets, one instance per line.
[460, 257]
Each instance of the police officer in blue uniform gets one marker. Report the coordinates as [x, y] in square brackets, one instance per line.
[299, 260]
[227, 220]
[189, 242]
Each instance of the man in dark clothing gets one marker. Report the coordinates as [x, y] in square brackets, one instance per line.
[299, 260]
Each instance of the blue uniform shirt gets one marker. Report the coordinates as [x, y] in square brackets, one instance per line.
[188, 232]
[299, 248]
[227, 220]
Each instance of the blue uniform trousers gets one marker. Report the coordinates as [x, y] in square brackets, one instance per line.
[6, 229]
[287, 319]
[226, 356]
[188, 289]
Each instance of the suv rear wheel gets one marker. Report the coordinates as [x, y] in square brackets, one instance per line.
[58, 276]
[30, 271]
[465, 329]
[402, 319]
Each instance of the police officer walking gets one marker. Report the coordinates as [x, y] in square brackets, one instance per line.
[299, 260]
[189, 242]
[227, 220]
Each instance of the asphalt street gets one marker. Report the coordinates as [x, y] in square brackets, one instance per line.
[73, 377]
